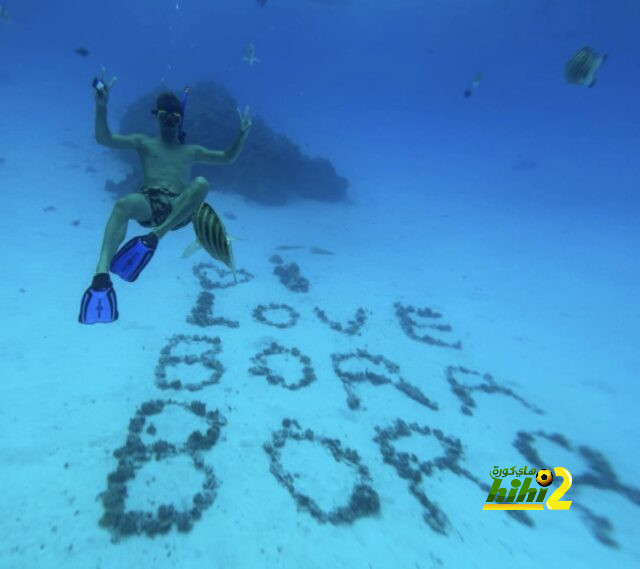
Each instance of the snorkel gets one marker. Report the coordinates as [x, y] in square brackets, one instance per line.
[183, 105]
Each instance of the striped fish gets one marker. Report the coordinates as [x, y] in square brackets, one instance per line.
[212, 236]
[582, 67]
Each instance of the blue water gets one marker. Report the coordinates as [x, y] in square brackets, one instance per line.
[513, 213]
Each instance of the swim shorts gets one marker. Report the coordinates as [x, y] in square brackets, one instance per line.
[161, 203]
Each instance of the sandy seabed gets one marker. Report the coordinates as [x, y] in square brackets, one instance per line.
[552, 333]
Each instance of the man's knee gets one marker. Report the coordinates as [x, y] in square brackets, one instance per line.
[201, 181]
[122, 207]
[200, 187]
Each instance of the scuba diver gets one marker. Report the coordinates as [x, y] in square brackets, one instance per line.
[166, 201]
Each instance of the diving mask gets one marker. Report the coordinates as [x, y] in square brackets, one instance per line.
[172, 118]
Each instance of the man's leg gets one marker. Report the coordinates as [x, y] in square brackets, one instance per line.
[184, 206]
[133, 206]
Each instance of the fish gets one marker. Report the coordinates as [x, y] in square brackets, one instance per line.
[320, 251]
[250, 54]
[524, 164]
[263, 3]
[474, 84]
[582, 67]
[288, 247]
[212, 236]
[332, 2]
[81, 51]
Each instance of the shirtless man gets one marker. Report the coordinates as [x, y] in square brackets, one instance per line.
[167, 200]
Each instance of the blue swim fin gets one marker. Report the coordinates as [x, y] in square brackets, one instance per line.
[99, 303]
[134, 256]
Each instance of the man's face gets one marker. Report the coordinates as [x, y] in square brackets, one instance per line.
[168, 121]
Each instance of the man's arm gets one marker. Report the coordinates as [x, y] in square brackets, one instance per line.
[227, 156]
[104, 136]
[101, 127]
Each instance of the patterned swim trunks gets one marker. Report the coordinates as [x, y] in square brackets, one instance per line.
[161, 203]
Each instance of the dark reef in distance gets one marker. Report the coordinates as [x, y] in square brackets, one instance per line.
[271, 169]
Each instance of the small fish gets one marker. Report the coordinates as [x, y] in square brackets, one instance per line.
[230, 215]
[250, 54]
[525, 164]
[262, 3]
[212, 236]
[320, 251]
[289, 247]
[582, 67]
[474, 84]
[4, 14]
[81, 51]
[332, 2]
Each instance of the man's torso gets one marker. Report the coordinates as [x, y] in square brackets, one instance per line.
[166, 165]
